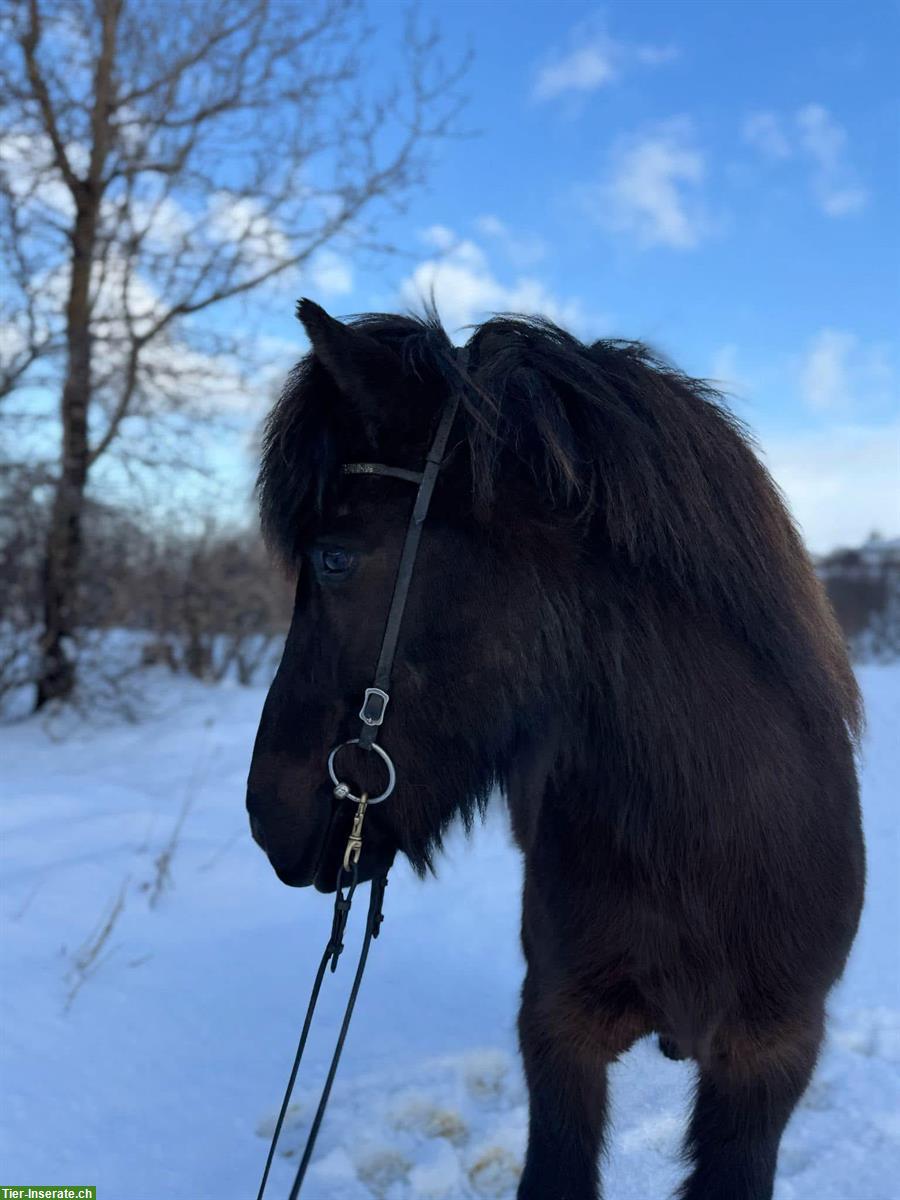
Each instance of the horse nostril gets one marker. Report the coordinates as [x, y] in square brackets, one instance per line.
[256, 832]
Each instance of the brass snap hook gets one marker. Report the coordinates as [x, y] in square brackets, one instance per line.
[353, 849]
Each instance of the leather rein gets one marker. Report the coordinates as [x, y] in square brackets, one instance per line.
[371, 714]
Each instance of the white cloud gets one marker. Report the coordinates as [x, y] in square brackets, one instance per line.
[841, 472]
[164, 222]
[824, 376]
[440, 237]
[813, 135]
[822, 137]
[842, 202]
[243, 221]
[466, 288]
[491, 226]
[522, 250]
[594, 61]
[840, 483]
[765, 131]
[653, 192]
[727, 373]
[656, 56]
[840, 374]
[26, 164]
[179, 368]
[834, 181]
[582, 70]
[330, 274]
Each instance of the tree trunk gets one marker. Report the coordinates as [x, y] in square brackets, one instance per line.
[62, 559]
[62, 556]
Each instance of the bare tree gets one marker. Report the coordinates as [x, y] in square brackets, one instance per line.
[158, 162]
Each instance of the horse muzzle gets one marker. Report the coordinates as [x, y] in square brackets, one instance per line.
[314, 853]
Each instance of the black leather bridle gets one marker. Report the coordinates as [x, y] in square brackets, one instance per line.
[371, 714]
[376, 698]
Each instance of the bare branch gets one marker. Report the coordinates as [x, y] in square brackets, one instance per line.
[161, 163]
[110, 13]
[41, 94]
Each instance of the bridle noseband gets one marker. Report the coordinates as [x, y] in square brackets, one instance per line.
[371, 714]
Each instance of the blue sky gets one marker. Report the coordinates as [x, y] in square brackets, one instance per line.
[718, 179]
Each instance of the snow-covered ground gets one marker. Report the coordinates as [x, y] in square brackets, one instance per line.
[147, 1030]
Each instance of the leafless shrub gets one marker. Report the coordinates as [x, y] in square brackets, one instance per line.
[162, 864]
[215, 607]
[22, 524]
[90, 954]
[200, 600]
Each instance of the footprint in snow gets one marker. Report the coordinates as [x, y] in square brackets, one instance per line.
[380, 1169]
[417, 1113]
[487, 1074]
[295, 1122]
[495, 1172]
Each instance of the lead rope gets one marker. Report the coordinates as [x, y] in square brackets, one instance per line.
[342, 903]
[372, 716]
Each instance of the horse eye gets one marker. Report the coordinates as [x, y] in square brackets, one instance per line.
[334, 561]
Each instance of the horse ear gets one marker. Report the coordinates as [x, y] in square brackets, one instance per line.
[363, 370]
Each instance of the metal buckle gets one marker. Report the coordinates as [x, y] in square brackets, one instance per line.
[383, 697]
[342, 790]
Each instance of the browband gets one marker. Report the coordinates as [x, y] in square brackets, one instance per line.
[381, 469]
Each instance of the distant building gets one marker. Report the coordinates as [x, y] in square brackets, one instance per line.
[863, 584]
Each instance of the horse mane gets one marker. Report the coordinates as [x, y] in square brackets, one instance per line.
[648, 462]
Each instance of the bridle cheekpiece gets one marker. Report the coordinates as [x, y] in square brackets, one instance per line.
[377, 697]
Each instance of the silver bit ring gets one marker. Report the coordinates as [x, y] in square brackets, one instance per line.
[342, 791]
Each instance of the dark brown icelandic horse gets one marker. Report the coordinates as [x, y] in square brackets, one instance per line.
[612, 620]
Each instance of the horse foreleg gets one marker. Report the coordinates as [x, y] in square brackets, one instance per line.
[745, 1094]
[566, 1048]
